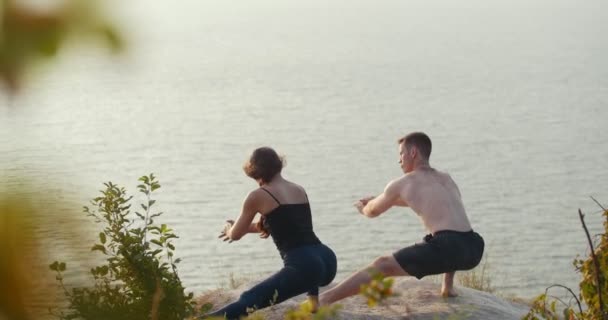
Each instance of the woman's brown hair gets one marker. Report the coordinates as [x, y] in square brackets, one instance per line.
[264, 163]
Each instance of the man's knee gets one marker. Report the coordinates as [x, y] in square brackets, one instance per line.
[388, 266]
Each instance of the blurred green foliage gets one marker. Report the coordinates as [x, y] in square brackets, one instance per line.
[15, 253]
[30, 35]
[139, 278]
[26, 210]
[304, 312]
[378, 289]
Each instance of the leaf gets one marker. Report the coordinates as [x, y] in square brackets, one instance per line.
[156, 215]
[61, 266]
[170, 246]
[156, 242]
[275, 296]
[54, 266]
[178, 260]
[102, 237]
[113, 38]
[99, 247]
[206, 308]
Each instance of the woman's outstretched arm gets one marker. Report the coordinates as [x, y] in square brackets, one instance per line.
[243, 224]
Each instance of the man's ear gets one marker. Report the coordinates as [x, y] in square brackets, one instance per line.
[413, 152]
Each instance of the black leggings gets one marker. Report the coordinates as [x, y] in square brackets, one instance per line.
[305, 270]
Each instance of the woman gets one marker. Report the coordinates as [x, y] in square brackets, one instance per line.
[285, 216]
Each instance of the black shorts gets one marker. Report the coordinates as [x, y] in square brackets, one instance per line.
[446, 251]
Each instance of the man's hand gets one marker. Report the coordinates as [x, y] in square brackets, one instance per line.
[224, 234]
[362, 203]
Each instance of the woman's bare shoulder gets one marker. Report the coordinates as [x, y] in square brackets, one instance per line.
[255, 195]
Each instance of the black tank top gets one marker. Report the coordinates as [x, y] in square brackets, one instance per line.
[290, 225]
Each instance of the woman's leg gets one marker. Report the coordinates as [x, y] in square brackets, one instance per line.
[326, 266]
[286, 283]
[331, 265]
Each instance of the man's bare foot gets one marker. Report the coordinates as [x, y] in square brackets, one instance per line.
[448, 293]
[447, 288]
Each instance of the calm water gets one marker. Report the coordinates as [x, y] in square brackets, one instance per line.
[513, 94]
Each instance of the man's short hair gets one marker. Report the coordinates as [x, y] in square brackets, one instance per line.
[420, 140]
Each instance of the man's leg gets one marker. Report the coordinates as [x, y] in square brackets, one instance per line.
[349, 287]
[447, 288]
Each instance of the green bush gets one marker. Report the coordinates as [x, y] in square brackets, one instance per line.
[590, 292]
[593, 287]
[139, 278]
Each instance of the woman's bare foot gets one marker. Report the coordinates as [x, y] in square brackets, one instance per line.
[311, 304]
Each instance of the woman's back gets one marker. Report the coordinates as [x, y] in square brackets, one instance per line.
[280, 191]
[289, 219]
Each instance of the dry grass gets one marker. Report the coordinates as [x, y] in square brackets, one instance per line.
[234, 281]
[478, 278]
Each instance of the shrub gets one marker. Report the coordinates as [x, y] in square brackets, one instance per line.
[139, 278]
[593, 288]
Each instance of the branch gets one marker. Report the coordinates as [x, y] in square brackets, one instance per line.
[599, 204]
[598, 277]
[578, 302]
[561, 301]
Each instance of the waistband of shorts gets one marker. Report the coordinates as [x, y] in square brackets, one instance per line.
[447, 232]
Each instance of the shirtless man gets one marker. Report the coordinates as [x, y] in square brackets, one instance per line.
[433, 195]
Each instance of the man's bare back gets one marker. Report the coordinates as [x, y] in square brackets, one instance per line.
[435, 197]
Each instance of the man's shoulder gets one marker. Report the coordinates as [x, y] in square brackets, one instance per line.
[402, 179]
[404, 182]
[445, 175]
[423, 177]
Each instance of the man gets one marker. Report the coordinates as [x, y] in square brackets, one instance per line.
[434, 196]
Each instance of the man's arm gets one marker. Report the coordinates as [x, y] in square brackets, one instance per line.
[378, 205]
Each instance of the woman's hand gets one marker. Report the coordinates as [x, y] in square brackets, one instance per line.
[224, 234]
